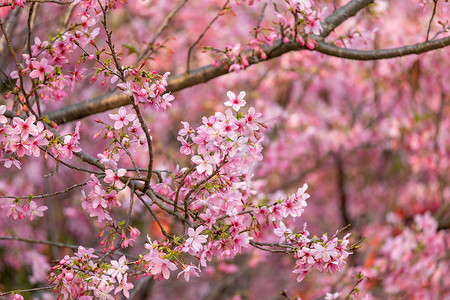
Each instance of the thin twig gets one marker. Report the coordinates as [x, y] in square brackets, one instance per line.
[149, 143]
[161, 205]
[354, 289]
[431, 19]
[28, 290]
[30, 24]
[78, 154]
[98, 60]
[177, 194]
[258, 23]
[131, 98]
[68, 16]
[47, 195]
[258, 246]
[160, 29]
[201, 36]
[34, 241]
[136, 169]
[52, 172]
[19, 68]
[131, 203]
[41, 1]
[261, 16]
[163, 231]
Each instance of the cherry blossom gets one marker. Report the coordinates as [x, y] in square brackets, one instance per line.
[235, 102]
[282, 231]
[36, 211]
[204, 166]
[18, 297]
[162, 266]
[331, 296]
[124, 287]
[195, 239]
[103, 290]
[25, 128]
[373, 149]
[3, 119]
[122, 119]
[113, 177]
[40, 69]
[189, 270]
[118, 268]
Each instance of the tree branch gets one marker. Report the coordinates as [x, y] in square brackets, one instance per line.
[341, 182]
[342, 14]
[41, 1]
[383, 53]
[33, 241]
[206, 73]
[202, 74]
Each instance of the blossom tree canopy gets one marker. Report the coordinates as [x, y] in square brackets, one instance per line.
[224, 149]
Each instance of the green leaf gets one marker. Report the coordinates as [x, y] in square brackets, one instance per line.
[131, 49]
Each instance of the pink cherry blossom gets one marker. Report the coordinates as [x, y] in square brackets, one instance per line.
[17, 297]
[40, 69]
[325, 253]
[103, 290]
[332, 296]
[113, 177]
[15, 210]
[13, 5]
[195, 239]
[162, 266]
[251, 116]
[25, 128]
[118, 268]
[122, 119]
[124, 287]
[204, 166]
[3, 119]
[35, 211]
[12, 161]
[282, 231]
[188, 271]
[235, 102]
[370, 137]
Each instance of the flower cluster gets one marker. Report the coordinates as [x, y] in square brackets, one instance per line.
[297, 22]
[300, 20]
[100, 199]
[409, 259]
[125, 140]
[228, 139]
[27, 138]
[78, 277]
[29, 209]
[148, 89]
[224, 149]
[49, 66]
[214, 198]
[324, 255]
[13, 3]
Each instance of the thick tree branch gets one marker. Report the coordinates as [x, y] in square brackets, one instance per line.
[342, 14]
[202, 74]
[206, 73]
[384, 53]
